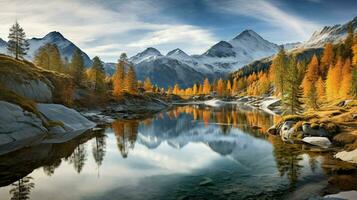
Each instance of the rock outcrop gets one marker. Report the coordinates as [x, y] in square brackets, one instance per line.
[18, 127]
[54, 124]
[33, 89]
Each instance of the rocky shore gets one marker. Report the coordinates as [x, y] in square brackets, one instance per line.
[333, 128]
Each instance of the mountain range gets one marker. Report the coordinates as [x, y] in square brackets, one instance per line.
[178, 67]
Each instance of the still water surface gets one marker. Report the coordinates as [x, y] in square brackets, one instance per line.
[189, 152]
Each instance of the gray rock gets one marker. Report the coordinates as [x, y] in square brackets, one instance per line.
[308, 131]
[71, 119]
[36, 90]
[323, 142]
[287, 130]
[18, 128]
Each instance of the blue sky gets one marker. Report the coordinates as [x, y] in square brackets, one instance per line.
[108, 28]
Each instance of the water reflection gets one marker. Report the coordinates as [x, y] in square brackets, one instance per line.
[181, 148]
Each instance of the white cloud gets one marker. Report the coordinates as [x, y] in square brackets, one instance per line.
[268, 12]
[95, 25]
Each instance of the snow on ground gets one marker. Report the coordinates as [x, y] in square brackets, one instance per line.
[349, 156]
[215, 103]
[343, 195]
[266, 103]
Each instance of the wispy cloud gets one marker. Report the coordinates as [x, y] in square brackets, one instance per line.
[270, 13]
[101, 28]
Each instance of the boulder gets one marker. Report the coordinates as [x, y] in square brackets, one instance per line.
[348, 156]
[70, 119]
[318, 141]
[36, 90]
[319, 132]
[18, 128]
[286, 130]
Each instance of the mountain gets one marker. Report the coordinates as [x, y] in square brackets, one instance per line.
[148, 54]
[65, 47]
[292, 45]
[229, 56]
[218, 61]
[333, 34]
[3, 45]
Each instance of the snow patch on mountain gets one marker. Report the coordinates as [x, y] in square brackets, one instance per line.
[148, 54]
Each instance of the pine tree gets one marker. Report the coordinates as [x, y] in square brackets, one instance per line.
[17, 45]
[97, 74]
[76, 67]
[148, 85]
[278, 70]
[118, 77]
[130, 82]
[206, 87]
[293, 92]
[346, 81]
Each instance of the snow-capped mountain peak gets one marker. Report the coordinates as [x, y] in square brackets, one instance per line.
[149, 53]
[178, 54]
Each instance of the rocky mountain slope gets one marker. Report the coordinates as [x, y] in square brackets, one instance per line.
[327, 34]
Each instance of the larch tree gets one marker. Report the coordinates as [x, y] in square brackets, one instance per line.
[235, 86]
[118, 76]
[346, 80]
[17, 44]
[206, 87]
[49, 57]
[195, 89]
[354, 69]
[220, 87]
[130, 82]
[309, 82]
[76, 67]
[320, 90]
[327, 59]
[278, 70]
[229, 87]
[333, 80]
[293, 94]
[148, 85]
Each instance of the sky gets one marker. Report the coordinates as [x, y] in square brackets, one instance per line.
[107, 28]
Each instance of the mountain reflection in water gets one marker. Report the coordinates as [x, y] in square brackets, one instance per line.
[189, 152]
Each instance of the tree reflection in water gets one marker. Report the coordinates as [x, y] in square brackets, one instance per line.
[98, 148]
[21, 189]
[125, 133]
[78, 158]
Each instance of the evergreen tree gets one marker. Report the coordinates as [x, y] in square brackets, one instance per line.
[17, 45]
[278, 70]
[76, 67]
[130, 81]
[97, 75]
[119, 75]
[293, 91]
